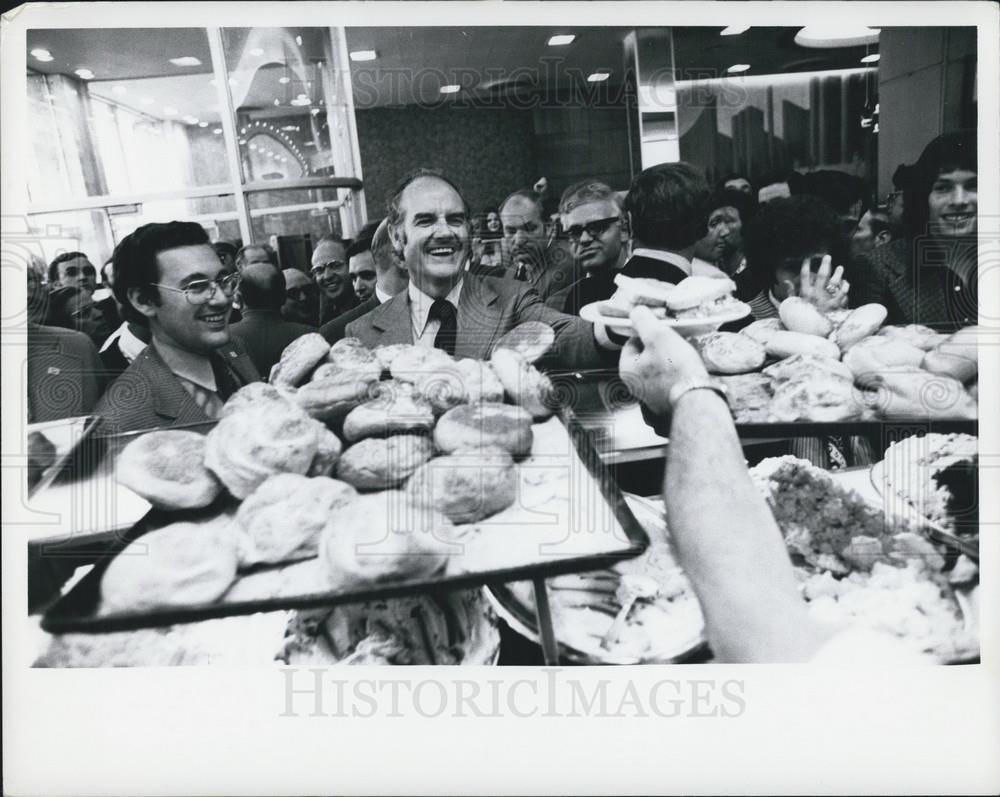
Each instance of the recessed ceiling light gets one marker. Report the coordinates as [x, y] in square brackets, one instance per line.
[278, 102]
[170, 110]
[41, 55]
[202, 124]
[314, 111]
[217, 131]
[191, 120]
[185, 60]
[364, 55]
[299, 101]
[870, 59]
[450, 89]
[256, 52]
[598, 77]
[291, 128]
[120, 90]
[561, 39]
[284, 80]
[298, 40]
[147, 100]
[84, 74]
[253, 147]
[738, 68]
[734, 30]
[825, 36]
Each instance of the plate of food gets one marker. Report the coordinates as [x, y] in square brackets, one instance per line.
[936, 478]
[859, 565]
[694, 306]
[641, 611]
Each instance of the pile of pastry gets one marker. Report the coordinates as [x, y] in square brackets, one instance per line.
[858, 565]
[691, 298]
[374, 461]
[842, 366]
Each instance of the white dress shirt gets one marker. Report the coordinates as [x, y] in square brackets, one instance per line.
[425, 329]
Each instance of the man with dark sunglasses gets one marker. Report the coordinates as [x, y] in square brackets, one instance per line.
[593, 222]
[73, 270]
[301, 298]
[168, 277]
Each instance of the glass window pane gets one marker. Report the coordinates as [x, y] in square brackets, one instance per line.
[293, 220]
[216, 214]
[122, 111]
[86, 231]
[287, 99]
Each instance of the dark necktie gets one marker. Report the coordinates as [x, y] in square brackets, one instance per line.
[444, 311]
[226, 382]
[521, 273]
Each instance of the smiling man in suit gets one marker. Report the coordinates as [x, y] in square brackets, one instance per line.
[168, 278]
[447, 307]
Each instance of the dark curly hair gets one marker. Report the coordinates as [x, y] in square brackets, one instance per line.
[944, 154]
[789, 229]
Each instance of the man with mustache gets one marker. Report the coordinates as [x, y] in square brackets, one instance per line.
[593, 221]
[447, 307]
[169, 279]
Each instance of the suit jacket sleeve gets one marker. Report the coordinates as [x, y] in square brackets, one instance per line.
[575, 345]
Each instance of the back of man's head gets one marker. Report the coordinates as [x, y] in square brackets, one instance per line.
[134, 260]
[668, 206]
[262, 287]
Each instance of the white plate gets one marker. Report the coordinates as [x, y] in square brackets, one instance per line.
[685, 326]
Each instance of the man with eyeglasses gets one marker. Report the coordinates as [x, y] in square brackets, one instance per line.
[73, 270]
[448, 308]
[168, 277]
[301, 298]
[592, 219]
[329, 271]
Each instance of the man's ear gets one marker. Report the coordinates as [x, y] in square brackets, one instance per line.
[398, 238]
[883, 237]
[140, 299]
[623, 226]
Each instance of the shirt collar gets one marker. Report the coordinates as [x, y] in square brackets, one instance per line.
[667, 257]
[381, 295]
[420, 304]
[187, 365]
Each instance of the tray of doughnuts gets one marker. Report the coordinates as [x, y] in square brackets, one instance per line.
[356, 475]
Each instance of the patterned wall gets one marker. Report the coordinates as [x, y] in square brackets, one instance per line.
[489, 152]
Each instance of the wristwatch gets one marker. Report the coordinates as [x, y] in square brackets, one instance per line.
[690, 383]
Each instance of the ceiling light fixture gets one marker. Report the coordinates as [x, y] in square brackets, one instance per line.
[284, 80]
[734, 30]
[298, 40]
[870, 59]
[217, 131]
[42, 55]
[191, 120]
[824, 37]
[364, 55]
[450, 89]
[561, 39]
[314, 111]
[84, 74]
[598, 77]
[735, 68]
[185, 60]
[202, 124]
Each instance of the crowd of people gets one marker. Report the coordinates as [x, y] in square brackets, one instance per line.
[188, 322]
[182, 321]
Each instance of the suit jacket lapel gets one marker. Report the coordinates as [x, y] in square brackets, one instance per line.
[170, 399]
[479, 318]
[392, 320]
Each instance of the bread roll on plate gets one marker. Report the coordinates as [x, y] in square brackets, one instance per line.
[860, 323]
[802, 366]
[179, 565]
[798, 315]
[382, 538]
[819, 399]
[871, 356]
[786, 343]
[485, 425]
[167, 468]
[336, 391]
[957, 356]
[915, 393]
[923, 337]
[526, 385]
[466, 486]
[378, 463]
[255, 394]
[762, 330]
[388, 414]
[730, 352]
[282, 519]
[298, 360]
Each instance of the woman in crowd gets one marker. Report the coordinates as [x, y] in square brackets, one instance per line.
[723, 245]
[930, 275]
